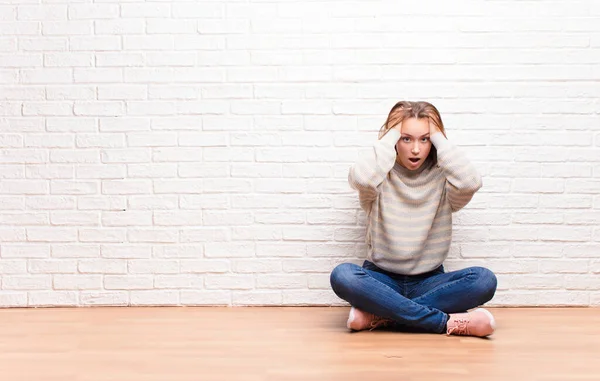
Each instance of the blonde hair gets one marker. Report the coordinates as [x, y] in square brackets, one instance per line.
[407, 109]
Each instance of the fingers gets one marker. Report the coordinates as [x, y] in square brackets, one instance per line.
[433, 127]
[396, 118]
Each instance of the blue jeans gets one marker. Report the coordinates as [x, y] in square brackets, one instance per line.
[419, 303]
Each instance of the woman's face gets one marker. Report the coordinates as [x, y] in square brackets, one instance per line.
[414, 144]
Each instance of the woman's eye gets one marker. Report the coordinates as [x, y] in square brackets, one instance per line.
[424, 140]
[407, 140]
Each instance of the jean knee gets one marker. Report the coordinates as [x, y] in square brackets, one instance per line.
[486, 283]
[341, 277]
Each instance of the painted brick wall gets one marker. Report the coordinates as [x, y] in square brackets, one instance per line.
[196, 152]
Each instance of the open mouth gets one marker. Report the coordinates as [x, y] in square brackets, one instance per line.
[414, 160]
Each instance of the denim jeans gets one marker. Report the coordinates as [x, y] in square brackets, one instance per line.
[418, 303]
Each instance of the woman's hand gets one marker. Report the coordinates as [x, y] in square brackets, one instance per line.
[433, 129]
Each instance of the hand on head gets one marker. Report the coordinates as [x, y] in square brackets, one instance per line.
[433, 128]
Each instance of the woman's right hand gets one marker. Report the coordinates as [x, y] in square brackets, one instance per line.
[396, 119]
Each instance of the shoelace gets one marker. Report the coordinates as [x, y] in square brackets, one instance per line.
[461, 327]
[379, 322]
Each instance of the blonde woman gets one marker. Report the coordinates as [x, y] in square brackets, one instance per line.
[409, 185]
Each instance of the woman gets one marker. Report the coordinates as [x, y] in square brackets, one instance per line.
[409, 185]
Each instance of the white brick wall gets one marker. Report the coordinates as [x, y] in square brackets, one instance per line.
[196, 153]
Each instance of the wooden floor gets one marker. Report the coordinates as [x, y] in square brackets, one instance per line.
[304, 343]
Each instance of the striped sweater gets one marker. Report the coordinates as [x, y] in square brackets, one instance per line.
[409, 213]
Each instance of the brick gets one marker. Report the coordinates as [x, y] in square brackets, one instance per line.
[51, 234]
[152, 235]
[284, 281]
[120, 59]
[42, 12]
[153, 139]
[25, 219]
[280, 249]
[101, 203]
[256, 266]
[153, 266]
[128, 282]
[25, 251]
[257, 298]
[180, 281]
[181, 218]
[311, 298]
[26, 282]
[127, 218]
[66, 28]
[93, 11]
[152, 203]
[178, 186]
[229, 250]
[308, 233]
[102, 266]
[309, 265]
[100, 171]
[124, 124]
[154, 298]
[75, 251]
[173, 92]
[121, 92]
[13, 299]
[258, 233]
[79, 218]
[204, 266]
[99, 108]
[204, 235]
[126, 251]
[126, 187]
[135, 155]
[205, 201]
[564, 298]
[50, 171]
[204, 139]
[331, 250]
[183, 27]
[564, 266]
[12, 203]
[46, 76]
[77, 282]
[219, 218]
[104, 298]
[229, 282]
[24, 156]
[178, 251]
[227, 186]
[52, 298]
[72, 92]
[152, 170]
[538, 186]
[74, 156]
[13, 267]
[206, 298]
[119, 26]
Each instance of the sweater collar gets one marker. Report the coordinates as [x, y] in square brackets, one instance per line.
[403, 171]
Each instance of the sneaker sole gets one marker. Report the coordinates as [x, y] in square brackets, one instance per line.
[489, 314]
[350, 318]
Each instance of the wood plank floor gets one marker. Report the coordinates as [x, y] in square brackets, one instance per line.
[300, 343]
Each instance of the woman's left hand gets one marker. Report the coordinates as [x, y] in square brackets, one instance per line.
[433, 129]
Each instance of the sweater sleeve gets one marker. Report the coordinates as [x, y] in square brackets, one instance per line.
[368, 173]
[462, 179]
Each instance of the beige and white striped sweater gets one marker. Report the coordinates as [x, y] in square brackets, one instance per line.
[409, 213]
